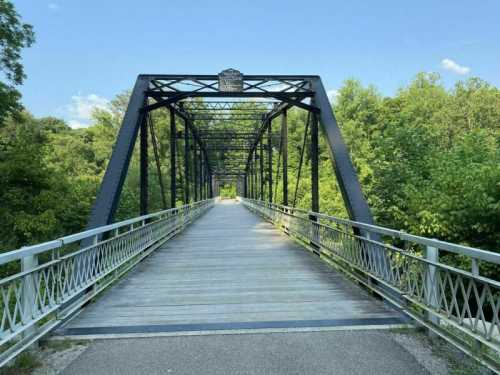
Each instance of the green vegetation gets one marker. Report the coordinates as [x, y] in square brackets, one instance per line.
[24, 364]
[228, 191]
[14, 36]
[428, 158]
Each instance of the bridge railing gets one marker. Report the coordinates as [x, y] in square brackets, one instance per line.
[418, 275]
[44, 284]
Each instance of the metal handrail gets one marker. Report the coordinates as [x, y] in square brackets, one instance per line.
[462, 306]
[24, 251]
[480, 254]
[38, 296]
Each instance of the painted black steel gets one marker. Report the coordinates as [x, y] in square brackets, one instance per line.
[261, 170]
[187, 172]
[220, 153]
[109, 193]
[173, 155]
[144, 167]
[270, 159]
[195, 173]
[347, 178]
[156, 153]
[314, 164]
[284, 154]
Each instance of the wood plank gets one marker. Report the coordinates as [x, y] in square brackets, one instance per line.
[227, 267]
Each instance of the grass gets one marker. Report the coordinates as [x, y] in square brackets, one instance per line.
[458, 363]
[60, 345]
[28, 361]
[24, 364]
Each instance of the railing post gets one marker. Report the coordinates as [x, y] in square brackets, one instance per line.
[369, 254]
[431, 284]
[95, 240]
[314, 239]
[29, 292]
[476, 344]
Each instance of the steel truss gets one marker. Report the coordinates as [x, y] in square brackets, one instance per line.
[230, 135]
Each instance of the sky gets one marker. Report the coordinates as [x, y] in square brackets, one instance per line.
[88, 51]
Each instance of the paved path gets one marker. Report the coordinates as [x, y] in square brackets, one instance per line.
[230, 271]
[315, 353]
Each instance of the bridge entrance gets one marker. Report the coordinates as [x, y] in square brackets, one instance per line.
[231, 128]
[230, 271]
[211, 265]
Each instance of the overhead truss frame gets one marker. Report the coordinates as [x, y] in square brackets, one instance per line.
[272, 95]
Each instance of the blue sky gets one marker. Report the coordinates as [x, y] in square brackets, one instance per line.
[87, 51]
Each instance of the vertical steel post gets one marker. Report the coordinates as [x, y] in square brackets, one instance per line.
[254, 179]
[270, 160]
[257, 193]
[245, 186]
[314, 164]
[202, 174]
[195, 171]
[210, 185]
[173, 144]
[250, 177]
[261, 168]
[204, 179]
[284, 153]
[186, 163]
[205, 185]
[143, 208]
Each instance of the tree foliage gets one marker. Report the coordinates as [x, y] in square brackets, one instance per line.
[428, 160]
[14, 36]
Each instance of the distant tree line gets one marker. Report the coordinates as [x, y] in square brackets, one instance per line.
[428, 158]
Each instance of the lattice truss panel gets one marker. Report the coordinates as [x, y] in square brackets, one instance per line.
[206, 84]
[27, 298]
[228, 130]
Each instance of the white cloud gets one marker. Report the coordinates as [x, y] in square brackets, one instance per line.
[53, 6]
[332, 94]
[79, 111]
[75, 124]
[454, 67]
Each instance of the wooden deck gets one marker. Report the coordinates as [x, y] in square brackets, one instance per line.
[229, 271]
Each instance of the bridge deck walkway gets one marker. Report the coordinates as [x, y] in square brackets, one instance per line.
[230, 271]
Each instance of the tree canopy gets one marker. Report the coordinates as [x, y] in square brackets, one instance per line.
[14, 36]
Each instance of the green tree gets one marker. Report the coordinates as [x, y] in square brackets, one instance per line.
[14, 36]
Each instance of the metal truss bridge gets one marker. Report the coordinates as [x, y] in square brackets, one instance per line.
[256, 264]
